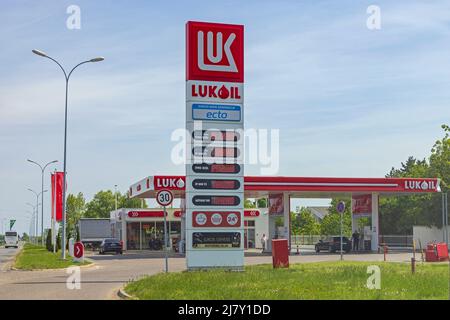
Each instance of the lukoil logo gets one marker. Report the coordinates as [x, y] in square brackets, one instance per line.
[213, 91]
[215, 60]
[419, 185]
[169, 183]
[215, 52]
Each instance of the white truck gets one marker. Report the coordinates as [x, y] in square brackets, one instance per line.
[11, 239]
[93, 231]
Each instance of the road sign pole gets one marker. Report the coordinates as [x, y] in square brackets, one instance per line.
[165, 240]
[165, 198]
[341, 208]
[342, 257]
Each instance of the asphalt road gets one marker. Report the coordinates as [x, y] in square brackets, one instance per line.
[6, 255]
[111, 272]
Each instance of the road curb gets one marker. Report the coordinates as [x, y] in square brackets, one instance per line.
[92, 264]
[123, 295]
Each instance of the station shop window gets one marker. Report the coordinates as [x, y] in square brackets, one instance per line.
[133, 235]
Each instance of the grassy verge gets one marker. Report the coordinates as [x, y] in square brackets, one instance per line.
[324, 280]
[37, 257]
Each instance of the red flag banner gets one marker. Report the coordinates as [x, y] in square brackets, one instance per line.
[58, 194]
[52, 179]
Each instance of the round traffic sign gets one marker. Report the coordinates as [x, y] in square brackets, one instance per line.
[340, 207]
[164, 197]
[78, 250]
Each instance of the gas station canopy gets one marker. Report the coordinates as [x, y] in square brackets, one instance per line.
[302, 187]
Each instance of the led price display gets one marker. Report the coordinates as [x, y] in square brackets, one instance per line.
[216, 168]
[215, 135]
[216, 184]
[216, 200]
[215, 152]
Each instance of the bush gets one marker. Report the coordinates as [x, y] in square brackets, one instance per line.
[58, 241]
[48, 241]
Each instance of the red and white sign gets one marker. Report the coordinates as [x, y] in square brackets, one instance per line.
[152, 214]
[216, 219]
[214, 52]
[146, 214]
[208, 91]
[169, 182]
[362, 205]
[78, 250]
[251, 213]
[164, 197]
[276, 205]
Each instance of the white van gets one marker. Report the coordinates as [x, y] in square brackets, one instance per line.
[11, 239]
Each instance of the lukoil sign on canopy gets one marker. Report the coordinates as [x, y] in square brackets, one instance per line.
[421, 185]
[170, 183]
[215, 52]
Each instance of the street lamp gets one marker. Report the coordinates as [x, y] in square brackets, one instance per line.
[42, 193]
[67, 76]
[37, 208]
[33, 229]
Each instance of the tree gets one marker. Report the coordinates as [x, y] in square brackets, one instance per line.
[75, 209]
[58, 241]
[105, 201]
[25, 237]
[331, 223]
[303, 222]
[101, 205]
[262, 202]
[249, 204]
[398, 215]
[48, 240]
[124, 201]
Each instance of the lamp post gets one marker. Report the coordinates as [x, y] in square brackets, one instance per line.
[115, 196]
[37, 209]
[67, 77]
[30, 216]
[33, 229]
[42, 193]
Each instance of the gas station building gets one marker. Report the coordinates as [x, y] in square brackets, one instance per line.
[135, 226]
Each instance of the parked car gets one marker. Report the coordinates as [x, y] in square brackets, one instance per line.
[333, 244]
[110, 245]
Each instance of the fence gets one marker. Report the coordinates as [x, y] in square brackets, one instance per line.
[399, 241]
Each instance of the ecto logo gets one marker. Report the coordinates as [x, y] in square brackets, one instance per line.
[420, 185]
[215, 52]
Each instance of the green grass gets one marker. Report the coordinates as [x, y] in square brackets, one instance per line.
[36, 257]
[323, 280]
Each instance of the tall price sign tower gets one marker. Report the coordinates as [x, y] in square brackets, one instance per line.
[214, 162]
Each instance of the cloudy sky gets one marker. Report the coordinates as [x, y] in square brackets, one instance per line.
[348, 101]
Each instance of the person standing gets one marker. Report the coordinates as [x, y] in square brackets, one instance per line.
[263, 242]
[355, 237]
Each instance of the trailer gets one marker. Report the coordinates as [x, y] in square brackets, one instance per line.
[94, 230]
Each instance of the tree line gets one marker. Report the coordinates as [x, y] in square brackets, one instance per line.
[397, 214]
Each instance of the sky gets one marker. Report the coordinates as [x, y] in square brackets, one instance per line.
[348, 101]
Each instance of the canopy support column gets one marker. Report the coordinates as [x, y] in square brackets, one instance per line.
[287, 218]
[375, 227]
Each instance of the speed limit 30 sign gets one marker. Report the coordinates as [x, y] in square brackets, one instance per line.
[164, 197]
